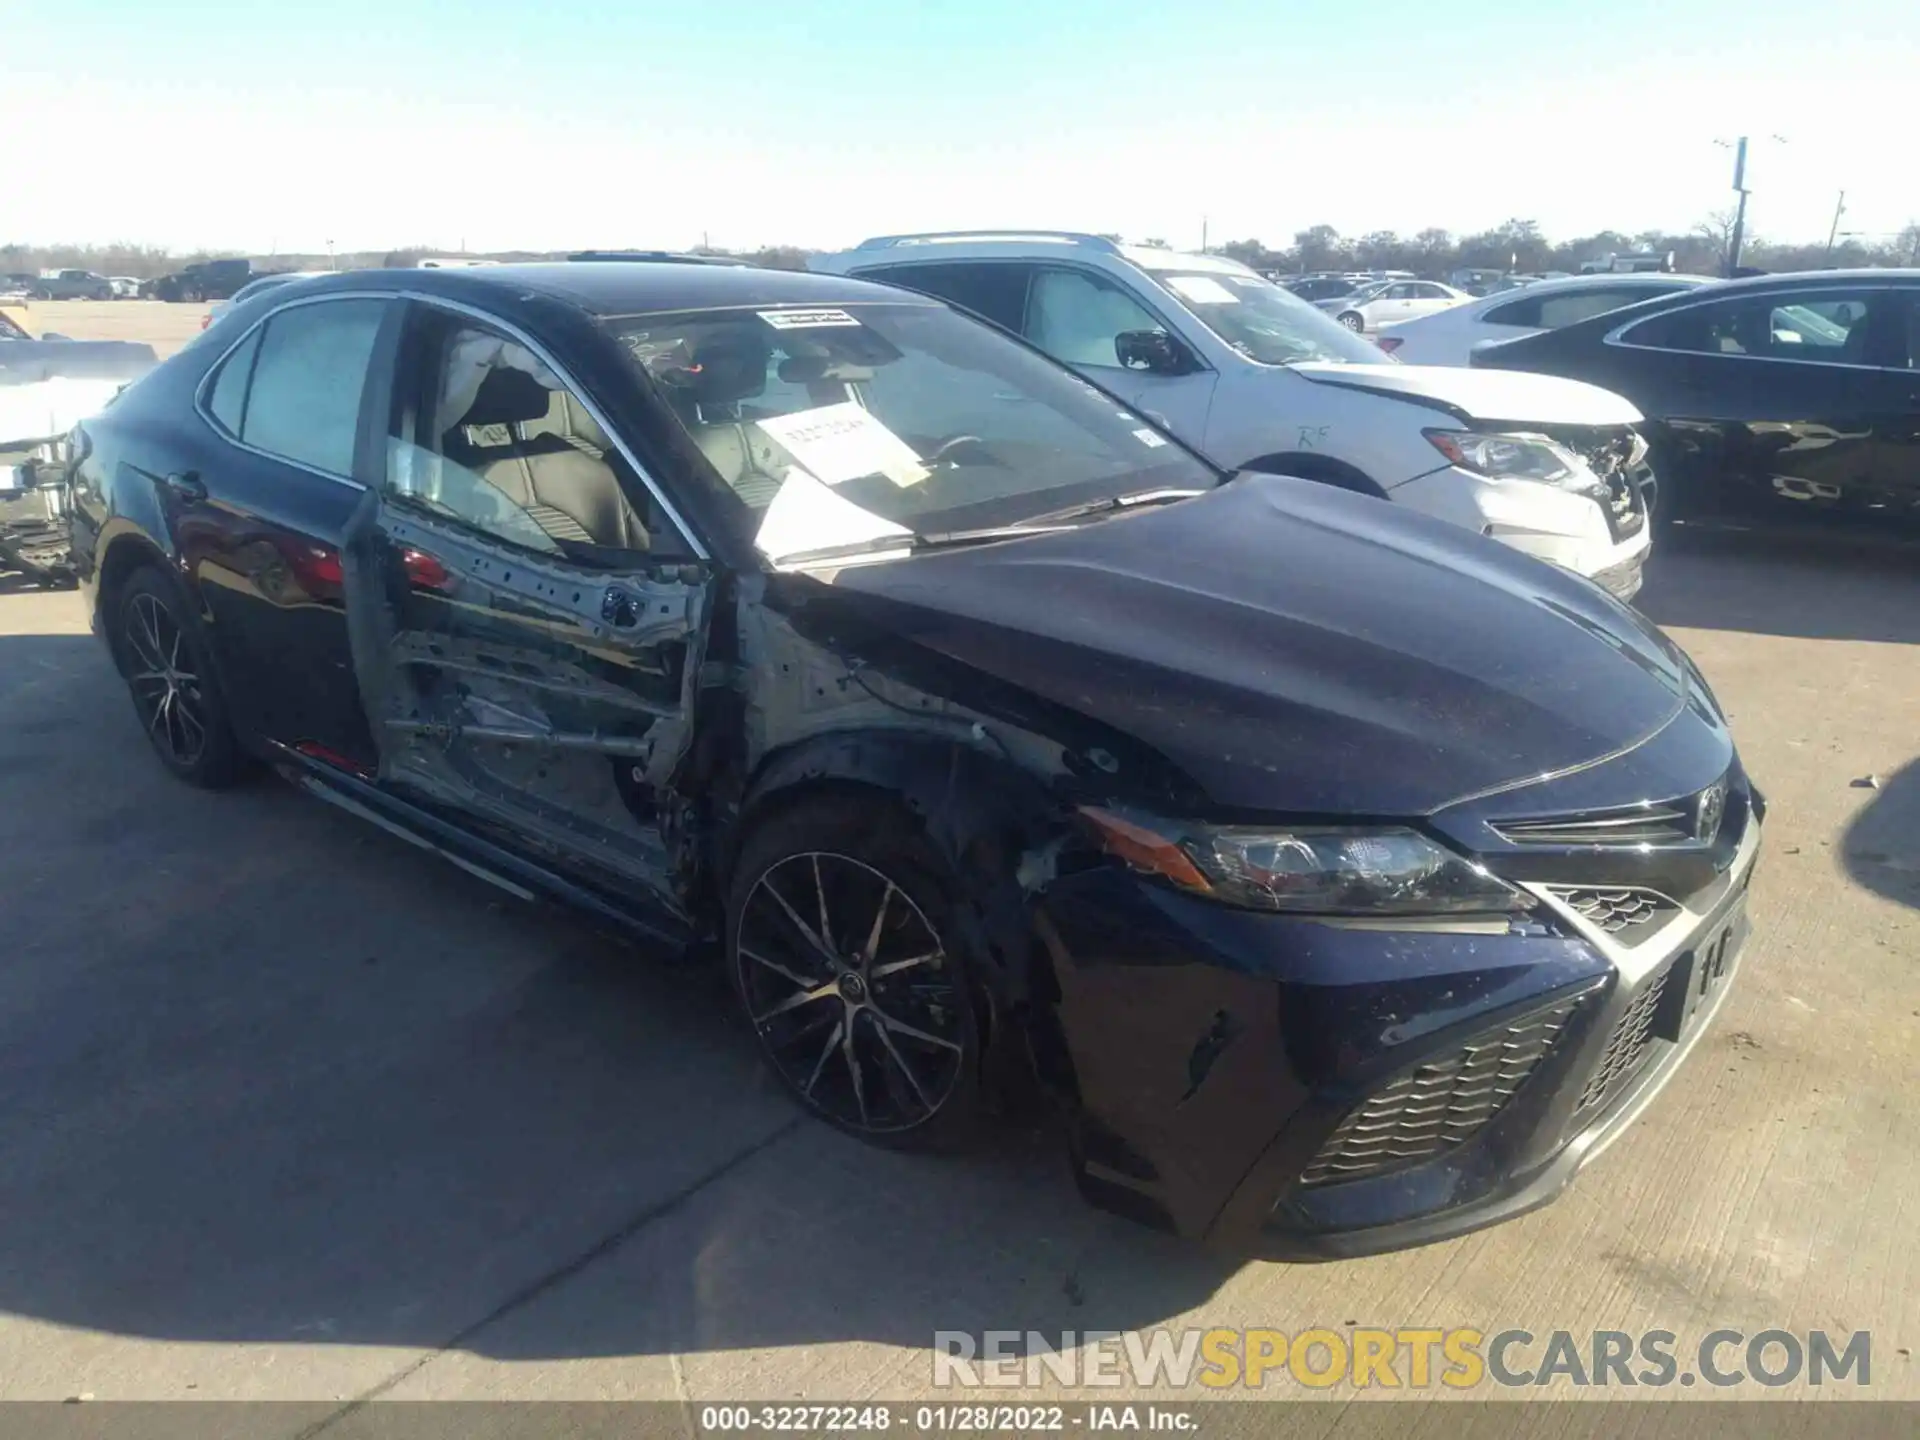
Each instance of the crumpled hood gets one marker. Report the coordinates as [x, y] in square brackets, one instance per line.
[48, 409]
[1293, 648]
[1515, 396]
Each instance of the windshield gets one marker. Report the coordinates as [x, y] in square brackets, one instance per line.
[1264, 322]
[844, 426]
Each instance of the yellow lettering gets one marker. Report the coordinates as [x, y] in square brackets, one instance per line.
[1462, 1349]
[1420, 1345]
[1265, 1350]
[1373, 1352]
[1302, 1358]
[1222, 1359]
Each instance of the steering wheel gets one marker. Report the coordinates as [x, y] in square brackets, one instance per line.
[952, 442]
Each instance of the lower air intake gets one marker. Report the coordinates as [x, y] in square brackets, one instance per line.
[1440, 1104]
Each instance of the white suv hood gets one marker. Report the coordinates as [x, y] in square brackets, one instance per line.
[1508, 396]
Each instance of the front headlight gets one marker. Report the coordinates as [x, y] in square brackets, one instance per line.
[1510, 457]
[1308, 870]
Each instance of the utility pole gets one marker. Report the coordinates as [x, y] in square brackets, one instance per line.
[1740, 210]
[1833, 231]
[1203, 234]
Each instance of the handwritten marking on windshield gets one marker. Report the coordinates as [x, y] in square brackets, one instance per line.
[1312, 436]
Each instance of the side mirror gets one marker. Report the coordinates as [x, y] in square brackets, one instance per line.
[1154, 351]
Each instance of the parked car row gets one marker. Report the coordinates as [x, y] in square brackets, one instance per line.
[1043, 691]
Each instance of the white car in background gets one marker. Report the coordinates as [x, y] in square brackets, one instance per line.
[1450, 336]
[1257, 379]
[1389, 302]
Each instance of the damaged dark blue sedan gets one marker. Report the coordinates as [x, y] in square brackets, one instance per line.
[1352, 879]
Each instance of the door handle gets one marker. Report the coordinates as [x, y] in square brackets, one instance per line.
[187, 485]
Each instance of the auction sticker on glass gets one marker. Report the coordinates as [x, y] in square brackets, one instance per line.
[843, 442]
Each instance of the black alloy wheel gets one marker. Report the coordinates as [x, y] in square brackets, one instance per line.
[173, 690]
[858, 998]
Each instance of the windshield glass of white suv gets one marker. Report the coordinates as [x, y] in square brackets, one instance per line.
[848, 425]
[1264, 322]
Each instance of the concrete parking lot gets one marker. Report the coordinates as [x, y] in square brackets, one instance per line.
[290, 1110]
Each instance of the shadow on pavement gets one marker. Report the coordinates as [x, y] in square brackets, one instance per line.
[1882, 845]
[267, 1074]
[1814, 586]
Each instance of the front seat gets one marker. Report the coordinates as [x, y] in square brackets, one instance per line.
[530, 454]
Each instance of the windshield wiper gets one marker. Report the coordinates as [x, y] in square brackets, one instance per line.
[1138, 500]
[914, 544]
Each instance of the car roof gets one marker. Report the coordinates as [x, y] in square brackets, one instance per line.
[616, 287]
[936, 246]
[1602, 282]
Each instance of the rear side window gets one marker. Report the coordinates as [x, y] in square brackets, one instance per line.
[301, 399]
[1821, 327]
[994, 291]
[228, 400]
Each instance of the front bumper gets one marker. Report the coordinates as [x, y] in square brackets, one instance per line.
[1559, 526]
[1221, 1056]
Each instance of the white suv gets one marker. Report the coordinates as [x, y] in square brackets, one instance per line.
[1257, 379]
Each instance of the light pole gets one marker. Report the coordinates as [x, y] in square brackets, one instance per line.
[1740, 188]
[1833, 231]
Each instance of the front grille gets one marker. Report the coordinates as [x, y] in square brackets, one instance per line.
[1627, 1047]
[1629, 913]
[1641, 825]
[1440, 1104]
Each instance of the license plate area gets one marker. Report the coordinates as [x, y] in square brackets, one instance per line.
[1700, 972]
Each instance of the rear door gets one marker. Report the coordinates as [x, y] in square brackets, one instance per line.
[258, 511]
[528, 616]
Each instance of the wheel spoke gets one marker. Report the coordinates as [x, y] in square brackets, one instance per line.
[191, 730]
[820, 894]
[796, 1000]
[150, 617]
[148, 677]
[833, 1039]
[900, 1027]
[872, 946]
[804, 982]
[894, 967]
[805, 929]
[853, 1069]
[905, 1069]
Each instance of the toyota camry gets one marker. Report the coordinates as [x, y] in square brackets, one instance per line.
[1350, 878]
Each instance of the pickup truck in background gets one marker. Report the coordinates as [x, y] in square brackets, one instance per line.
[206, 280]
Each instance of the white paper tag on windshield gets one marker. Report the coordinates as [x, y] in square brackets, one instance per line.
[1202, 290]
[1149, 439]
[805, 515]
[843, 442]
[805, 319]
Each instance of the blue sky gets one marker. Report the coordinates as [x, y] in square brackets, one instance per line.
[266, 126]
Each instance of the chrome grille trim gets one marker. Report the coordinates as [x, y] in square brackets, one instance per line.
[1440, 1104]
[1643, 825]
[1629, 913]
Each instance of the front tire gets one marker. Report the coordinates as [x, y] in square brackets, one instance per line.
[844, 948]
[170, 677]
[1353, 320]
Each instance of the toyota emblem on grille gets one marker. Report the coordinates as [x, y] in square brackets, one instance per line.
[1708, 814]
